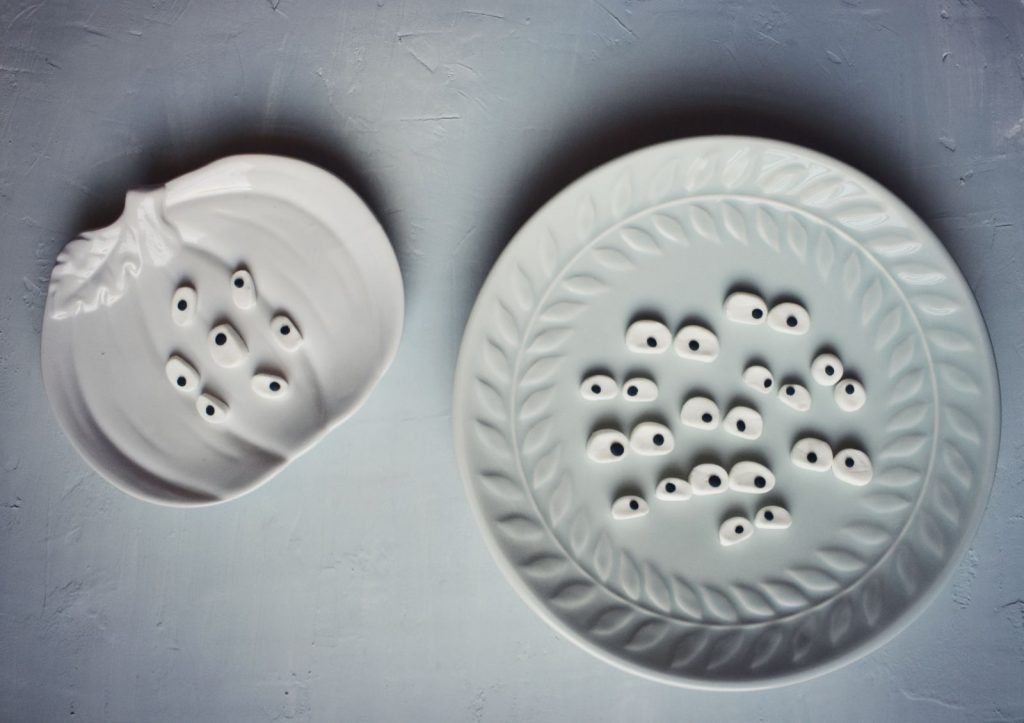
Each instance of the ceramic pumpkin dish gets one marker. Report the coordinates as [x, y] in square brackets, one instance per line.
[219, 328]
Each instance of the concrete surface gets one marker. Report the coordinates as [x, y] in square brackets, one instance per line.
[355, 586]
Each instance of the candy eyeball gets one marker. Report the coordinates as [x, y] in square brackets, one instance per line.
[813, 454]
[708, 479]
[795, 396]
[599, 386]
[700, 412]
[629, 507]
[269, 386]
[243, 290]
[607, 445]
[849, 395]
[751, 478]
[183, 305]
[211, 408]
[773, 517]
[759, 378]
[743, 422]
[286, 332]
[673, 489]
[639, 389]
[227, 346]
[181, 374]
[852, 466]
[789, 318]
[651, 438]
[648, 337]
[733, 530]
[826, 369]
[697, 343]
[744, 308]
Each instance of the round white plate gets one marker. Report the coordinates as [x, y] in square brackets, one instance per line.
[702, 590]
[219, 328]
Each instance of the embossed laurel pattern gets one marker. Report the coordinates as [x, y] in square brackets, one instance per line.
[653, 625]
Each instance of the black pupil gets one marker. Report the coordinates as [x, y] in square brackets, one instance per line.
[274, 386]
[694, 345]
[181, 381]
[739, 529]
[767, 383]
[209, 410]
[651, 341]
[714, 480]
[634, 505]
[769, 515]
[659, 440]
[670, 487]
[632, 391]
[220, 339]
[286, 330]
[596, 388]
[741, 425]
[617, 449]
[849, 389]
[791, 321]
[760, 482]
[706, 418]
[182, 305]
[830, 370]
[812, 457]
[757, 313]
[239, 283]
[790, 391]
[849, 461]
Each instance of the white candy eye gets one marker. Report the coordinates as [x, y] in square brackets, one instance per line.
[789, 318]
[743, 422]
[599, 386]
[628, 507]
[649, 438]
[795, 396]
[826, 369]
[270, 386]
[211, 409]
[708, 479]
[759, 378]
[700, 412]
[648, 337]
[181, 374]
[751, 477]
[745, 308]
[243, 290]
[733, 530]
[639, 389]
[849, 395]
[813, 454]
[183, 305]
[697, 343]
[286, 333]
[606, 445]
[673, 489]
[852, 466]
[227, 346]
[773, 517]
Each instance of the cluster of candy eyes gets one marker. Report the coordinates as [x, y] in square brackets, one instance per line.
[227, 346]
[826, 370]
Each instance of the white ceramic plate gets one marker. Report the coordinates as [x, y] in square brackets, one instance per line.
[626, 547]
[219, 328]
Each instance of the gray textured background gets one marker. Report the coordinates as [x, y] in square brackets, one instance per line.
[355, 585]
